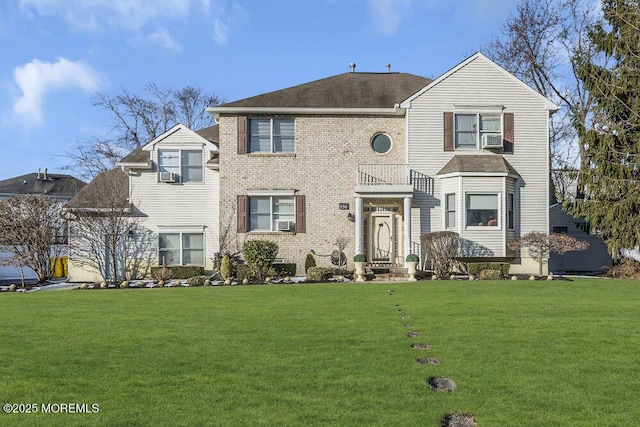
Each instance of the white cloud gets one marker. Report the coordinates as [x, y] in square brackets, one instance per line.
[162, 37]
[37, 78]
[220, 31]
[387, 14]
[90, 14]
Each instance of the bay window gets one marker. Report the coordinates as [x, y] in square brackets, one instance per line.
[482, 210]
[450, 210]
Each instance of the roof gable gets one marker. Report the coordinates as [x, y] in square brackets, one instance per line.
[480, 57]
[177, 129]
[478, 164]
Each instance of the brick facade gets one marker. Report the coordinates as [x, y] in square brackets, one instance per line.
[323, 168]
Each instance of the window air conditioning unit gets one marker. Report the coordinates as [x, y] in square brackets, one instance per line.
[167, 177]
[492, 141]
[284, 225]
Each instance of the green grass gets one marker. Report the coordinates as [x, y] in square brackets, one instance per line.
[522, 353]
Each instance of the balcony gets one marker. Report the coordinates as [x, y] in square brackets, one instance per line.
[393, 176]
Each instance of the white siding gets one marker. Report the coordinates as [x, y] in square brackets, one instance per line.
[479, 83]
[187, 206]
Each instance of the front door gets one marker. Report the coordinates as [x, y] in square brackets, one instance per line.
[381, 237]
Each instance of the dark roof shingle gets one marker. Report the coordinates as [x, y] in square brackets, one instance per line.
[54, 185]
[108, 190]
[348, 90]
[478, 163]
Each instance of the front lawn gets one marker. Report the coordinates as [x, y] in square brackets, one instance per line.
[521, 353]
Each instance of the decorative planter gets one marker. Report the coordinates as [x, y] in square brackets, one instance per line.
[411, 269]
[359, 271]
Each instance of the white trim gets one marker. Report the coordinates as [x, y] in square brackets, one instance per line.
[206, 143]
[134, 165]
[383, 191]
[270, 193]
[550, 106]
[476, 174]
[181, 228]
[478, 109]
[216, 111]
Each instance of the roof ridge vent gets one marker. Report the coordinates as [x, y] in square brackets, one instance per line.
[352, 66]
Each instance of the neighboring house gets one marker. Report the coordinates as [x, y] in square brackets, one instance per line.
[377, 159]
[595, 258]
[172, 195]
[58, 186]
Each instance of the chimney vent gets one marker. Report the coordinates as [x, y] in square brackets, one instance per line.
[352, 66]
[45, 174]
[38, 173]
[388, 68]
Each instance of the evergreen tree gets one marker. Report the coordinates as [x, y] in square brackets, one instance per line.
[609, 181]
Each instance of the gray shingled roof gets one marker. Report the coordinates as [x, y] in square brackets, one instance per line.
[478, 163]
[109, 189]
[348, 90]
[54, 185]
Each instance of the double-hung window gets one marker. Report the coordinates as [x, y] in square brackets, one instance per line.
[482, 210]
[450, 210]
[271, 213]
[181, 249]
[470, 128]
[186, 165]
[271, 136]
[510, 211]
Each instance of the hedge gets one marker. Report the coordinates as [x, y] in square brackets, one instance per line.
[318, 274]
[286, 269]
[181, 271]
[242, 271]
[476, 267]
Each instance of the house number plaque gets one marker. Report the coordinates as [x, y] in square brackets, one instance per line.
[343, 206]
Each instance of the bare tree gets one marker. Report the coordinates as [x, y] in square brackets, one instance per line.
[33, 230]
[541, 244]
[136, 120]
[542, 44]
[107, 232]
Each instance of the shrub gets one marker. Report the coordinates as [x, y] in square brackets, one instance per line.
[441, 250]
[360, 258]
[197, 280]
[161, 273]
[225, 267]
[177, 272]
[477, 267]
[259, 255]
[489, 274]
[286, 269]
[412, 258]
[242, 271]
[309, 262]
[318, 274]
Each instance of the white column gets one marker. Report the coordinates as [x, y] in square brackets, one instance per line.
[359, 227]
[407, 227]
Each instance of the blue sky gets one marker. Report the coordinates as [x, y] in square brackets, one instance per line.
[57, 53]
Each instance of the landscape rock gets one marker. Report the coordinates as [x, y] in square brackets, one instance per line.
[428, 361]
[420, 346]
[459, 419]
[441, 384]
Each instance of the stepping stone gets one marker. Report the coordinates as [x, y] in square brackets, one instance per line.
[412, 334]
[459, 419]
[428, 361]
[441, 384]
[408, 325]
[405, 316]
[396, 305]
[420, 346]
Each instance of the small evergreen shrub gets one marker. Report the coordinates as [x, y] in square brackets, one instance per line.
[489, 275]
[412, 258]
[225, 267]
[259, 255]
[360, 258]
[242, 271]
[318, 274]
[286, 269]
[309, 262]
[476, 267]
[197, 280]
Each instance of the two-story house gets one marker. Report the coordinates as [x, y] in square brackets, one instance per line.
[377, 159]
[168, 190]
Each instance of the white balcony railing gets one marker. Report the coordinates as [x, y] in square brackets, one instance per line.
[393, 174]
